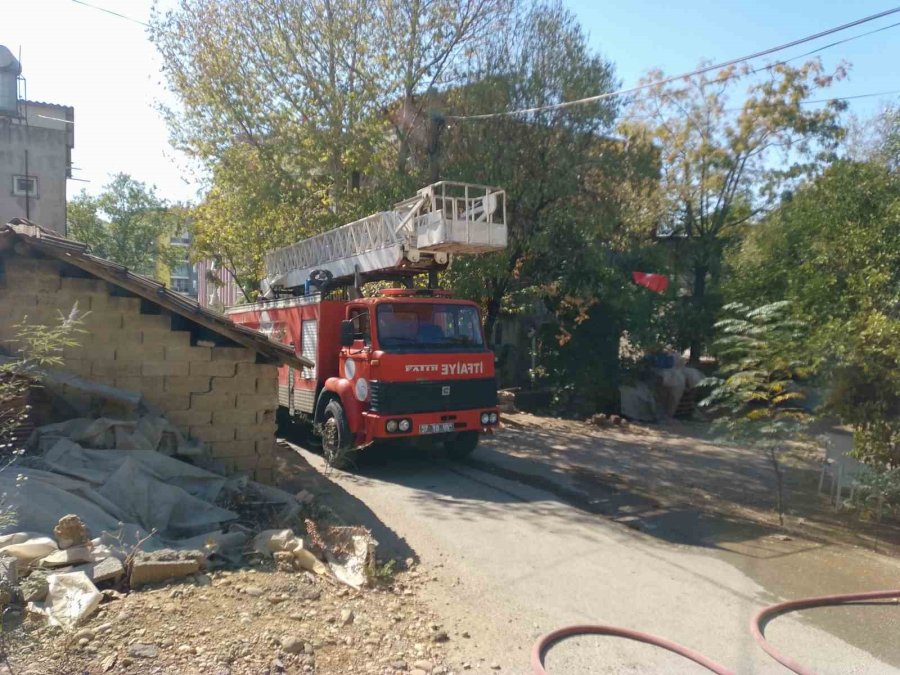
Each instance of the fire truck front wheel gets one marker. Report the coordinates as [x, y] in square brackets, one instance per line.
[336, 437]
[462, 445]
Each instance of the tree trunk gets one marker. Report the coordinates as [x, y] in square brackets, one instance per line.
[698, 298]
[779, 484]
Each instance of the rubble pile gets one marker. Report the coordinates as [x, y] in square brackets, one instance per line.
[106, 504]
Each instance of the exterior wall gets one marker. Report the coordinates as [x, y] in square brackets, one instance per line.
[217, 395]
[216, 296]
[48, 143]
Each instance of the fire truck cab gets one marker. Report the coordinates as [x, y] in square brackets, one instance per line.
[398, 365]
[404, 363]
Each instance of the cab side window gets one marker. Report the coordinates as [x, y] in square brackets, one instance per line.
[360, 318]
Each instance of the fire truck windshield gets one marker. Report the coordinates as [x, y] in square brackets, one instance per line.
[429, 327]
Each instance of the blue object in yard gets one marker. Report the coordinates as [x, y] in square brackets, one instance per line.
[663, 360]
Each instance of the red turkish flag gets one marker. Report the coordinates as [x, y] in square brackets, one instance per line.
[658, 283]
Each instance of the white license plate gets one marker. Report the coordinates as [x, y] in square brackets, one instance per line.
[440, 428]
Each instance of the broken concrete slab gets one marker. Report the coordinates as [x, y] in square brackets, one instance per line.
[69, 556]
[151, 571]
[106, 569]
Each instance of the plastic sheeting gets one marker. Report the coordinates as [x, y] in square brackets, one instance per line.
[71, 598]
[129, 489]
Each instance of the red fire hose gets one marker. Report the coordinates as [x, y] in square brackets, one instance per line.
[756, 629]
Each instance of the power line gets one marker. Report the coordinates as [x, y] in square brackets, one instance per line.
[699, 71]
[850, 98]
[109, 11]
[824, 47]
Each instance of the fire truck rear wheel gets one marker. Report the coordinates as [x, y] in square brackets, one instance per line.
[462, 445]
[336, 436]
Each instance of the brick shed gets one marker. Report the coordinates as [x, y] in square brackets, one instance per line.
[215, 381]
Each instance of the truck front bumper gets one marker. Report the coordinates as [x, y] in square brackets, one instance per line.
[428, 424]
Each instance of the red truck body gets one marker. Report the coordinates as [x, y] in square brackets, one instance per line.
[417, 365]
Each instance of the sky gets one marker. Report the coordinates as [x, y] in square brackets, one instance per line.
[106, 68]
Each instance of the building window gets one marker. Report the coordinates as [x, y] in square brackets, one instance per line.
[25, 186]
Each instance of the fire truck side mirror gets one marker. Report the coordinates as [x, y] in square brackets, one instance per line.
[346, 333]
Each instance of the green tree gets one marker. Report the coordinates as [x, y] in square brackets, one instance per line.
[833, 250]
[575, 192]
[721, 168]
[758, 399]
[286, 104]
[126, 223]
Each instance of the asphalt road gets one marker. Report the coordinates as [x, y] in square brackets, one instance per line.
[512, 562]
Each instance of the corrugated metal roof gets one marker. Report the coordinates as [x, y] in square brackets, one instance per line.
[78, 254]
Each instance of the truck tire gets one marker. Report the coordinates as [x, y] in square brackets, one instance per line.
[463, 445]
[336, 437]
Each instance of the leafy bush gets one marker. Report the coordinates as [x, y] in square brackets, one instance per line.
[759, 399]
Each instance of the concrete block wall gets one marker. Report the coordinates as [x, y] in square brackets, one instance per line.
[217, 395]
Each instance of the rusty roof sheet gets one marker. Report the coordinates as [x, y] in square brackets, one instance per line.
[78, 254]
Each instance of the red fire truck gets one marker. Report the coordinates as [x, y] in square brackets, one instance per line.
[404, 362]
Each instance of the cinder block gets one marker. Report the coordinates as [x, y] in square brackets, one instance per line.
[187, 354]
[256, 401]
[127, 350]
[98, 320]
[245, 384]
[258, 370]
[149, 322]
[152, 384]
[168, 401]
[265, 446]
[264, 475]
[253, 433]
[233, 449]
[248, 464]
[188, 384]
[234, 417]
[185, 419]
[266, 461]
[210, 433]
[265, 417]
[81, 285]
[212, 368]
[213, 401]
[77, 366]
[110, 368]
[155, 335]
[94, 351]
[232, 354]
[267, 385]
[162, 368]
[153, 571]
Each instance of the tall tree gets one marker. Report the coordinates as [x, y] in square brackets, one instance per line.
[127, 223]
[722, 167]
[285, 102]
[833, 251]
[574, 193]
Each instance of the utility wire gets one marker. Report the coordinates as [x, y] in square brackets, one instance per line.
[109, 11]
[699, 71]
[824, 47]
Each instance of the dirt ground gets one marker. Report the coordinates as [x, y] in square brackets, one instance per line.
[254, 620]
[675, 464]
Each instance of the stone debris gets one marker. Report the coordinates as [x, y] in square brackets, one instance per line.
[68, 556]
[143, 651]
[71, 531]
[151, 570]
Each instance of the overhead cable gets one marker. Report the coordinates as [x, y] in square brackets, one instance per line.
[673, 78]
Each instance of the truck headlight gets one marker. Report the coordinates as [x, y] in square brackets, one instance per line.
[361, 389]
[391, 426]
[405, 425]
[485, 418]
[494, 418]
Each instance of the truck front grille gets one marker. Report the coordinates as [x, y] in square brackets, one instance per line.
[419, 397]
